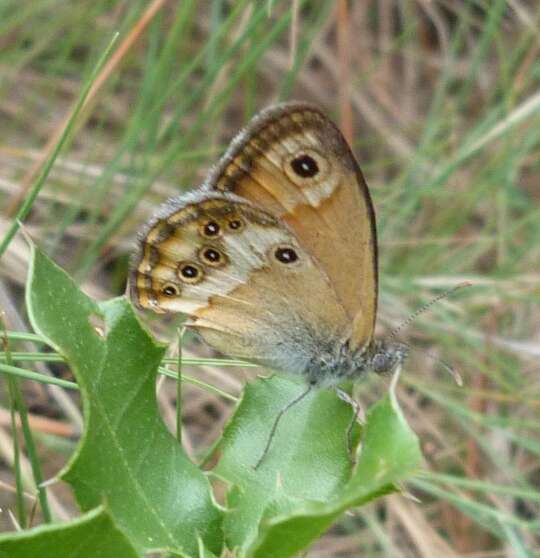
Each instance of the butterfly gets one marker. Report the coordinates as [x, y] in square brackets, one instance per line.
[274, 256]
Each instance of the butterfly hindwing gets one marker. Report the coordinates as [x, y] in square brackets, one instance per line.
[239, 273]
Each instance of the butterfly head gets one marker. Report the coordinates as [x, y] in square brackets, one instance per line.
[335, 362]
[385, 356]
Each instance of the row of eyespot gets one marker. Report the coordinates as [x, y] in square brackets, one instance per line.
[191, 273]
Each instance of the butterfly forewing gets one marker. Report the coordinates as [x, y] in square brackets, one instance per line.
[294, 162]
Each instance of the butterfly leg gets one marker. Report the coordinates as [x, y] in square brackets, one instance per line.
[357, 412]
[276, 422]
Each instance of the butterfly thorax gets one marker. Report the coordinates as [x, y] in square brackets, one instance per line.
[331, 367]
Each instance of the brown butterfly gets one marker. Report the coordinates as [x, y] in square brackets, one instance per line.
[274, 257]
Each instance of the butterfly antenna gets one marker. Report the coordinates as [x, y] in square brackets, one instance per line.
[393, 334]
[426, 306]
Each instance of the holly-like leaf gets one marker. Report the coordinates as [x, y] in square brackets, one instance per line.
[306, 481]
[307, 459]
[93, 534]
[126, 457]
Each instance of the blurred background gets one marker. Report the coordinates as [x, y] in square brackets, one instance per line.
[440, 100]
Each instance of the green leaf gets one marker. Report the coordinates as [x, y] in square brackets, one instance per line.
[305, 482]
[90, 536]
[126, 457]
[390, 453]
[306, 461]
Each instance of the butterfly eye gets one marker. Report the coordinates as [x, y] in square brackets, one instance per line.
[210, 229]
[170, 289]
[212, 257]
[381, 363]
[286, 254]
[190, 272]
[235, 224]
